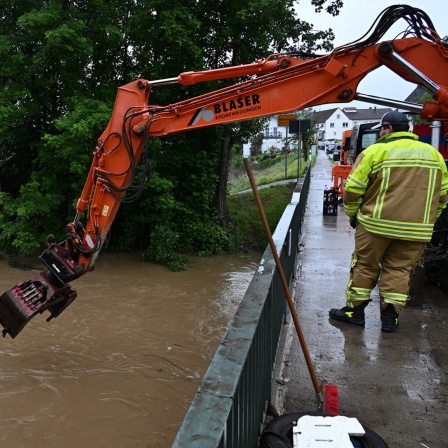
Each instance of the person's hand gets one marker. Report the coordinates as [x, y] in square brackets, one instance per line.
[353, 222]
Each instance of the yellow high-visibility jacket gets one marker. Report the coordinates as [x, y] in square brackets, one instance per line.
[398, 187]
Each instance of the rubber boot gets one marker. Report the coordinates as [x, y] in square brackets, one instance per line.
[389, 318]
[353, 315]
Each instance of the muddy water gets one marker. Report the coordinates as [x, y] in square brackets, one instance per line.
[120, 366]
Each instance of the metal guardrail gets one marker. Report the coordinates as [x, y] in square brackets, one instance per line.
[230, 406]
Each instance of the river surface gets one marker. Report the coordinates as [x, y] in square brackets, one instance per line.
[121, 365]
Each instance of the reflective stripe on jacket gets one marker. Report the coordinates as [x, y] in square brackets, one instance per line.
[398, 187]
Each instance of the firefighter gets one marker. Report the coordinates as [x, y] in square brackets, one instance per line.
[396, 190]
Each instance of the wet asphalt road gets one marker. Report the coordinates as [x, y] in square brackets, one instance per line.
[394, 383]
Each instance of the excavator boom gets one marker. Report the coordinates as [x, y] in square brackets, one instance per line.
[277, 85]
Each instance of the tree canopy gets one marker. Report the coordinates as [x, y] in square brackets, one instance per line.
[62, 62]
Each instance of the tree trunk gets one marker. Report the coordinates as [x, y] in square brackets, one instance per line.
[221, 199]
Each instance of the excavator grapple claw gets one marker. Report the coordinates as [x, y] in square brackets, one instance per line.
[26, 299]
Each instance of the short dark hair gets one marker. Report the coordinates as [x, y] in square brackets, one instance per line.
[400, 127]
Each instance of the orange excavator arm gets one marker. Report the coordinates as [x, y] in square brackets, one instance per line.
[279, 84]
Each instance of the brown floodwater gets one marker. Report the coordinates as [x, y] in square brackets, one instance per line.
[121, 365]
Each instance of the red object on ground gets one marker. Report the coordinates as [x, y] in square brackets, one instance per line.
[330, 399]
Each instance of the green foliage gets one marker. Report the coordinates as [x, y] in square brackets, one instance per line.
[246, 225]
[237, 160]
[205, 238]
[21, 220]
[266, 162]
[332, 8]
[72, 145]
[267, 171]
[165, 254]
